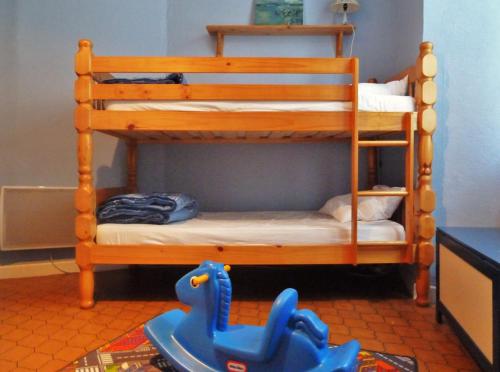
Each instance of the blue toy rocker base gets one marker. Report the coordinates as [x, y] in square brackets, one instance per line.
[201, 340]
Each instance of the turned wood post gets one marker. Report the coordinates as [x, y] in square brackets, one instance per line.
[372, 167]
[131, 166]
[85, 226]
[426, 94]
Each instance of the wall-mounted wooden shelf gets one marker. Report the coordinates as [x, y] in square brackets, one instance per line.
[337, 31]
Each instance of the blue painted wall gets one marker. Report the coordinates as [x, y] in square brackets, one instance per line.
[45, 36]
[277, 177]
[38, 40]
[7, 69]
[467, 142]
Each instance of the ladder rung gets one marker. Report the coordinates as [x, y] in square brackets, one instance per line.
[378, 143]
[382, 193]
[383, 243]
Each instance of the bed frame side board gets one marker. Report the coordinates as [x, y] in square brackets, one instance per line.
[426, 94]
[85, 197]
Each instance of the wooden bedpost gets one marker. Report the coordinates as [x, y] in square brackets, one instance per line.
[372, 167]
[132, 166]
[426, 94]
[85, 226]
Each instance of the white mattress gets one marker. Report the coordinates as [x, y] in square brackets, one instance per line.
[368, 102]
[250, 228]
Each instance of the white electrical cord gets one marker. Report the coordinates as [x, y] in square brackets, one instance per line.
[57, 267]
[352, 39]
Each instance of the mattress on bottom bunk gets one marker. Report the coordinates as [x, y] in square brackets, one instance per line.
[369, 102]
[224, 228]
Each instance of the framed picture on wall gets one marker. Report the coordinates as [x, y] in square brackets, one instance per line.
[279, 12]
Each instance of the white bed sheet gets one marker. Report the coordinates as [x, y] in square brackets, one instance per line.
[288, 227]
[368, 102]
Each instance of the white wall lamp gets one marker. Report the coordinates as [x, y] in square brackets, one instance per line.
[345, 6]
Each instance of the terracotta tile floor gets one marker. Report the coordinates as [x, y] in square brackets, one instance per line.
[42, 327]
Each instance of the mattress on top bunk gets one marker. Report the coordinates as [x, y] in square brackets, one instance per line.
[369, 102]
[220, 228]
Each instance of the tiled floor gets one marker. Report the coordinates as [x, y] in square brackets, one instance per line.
[42, 328]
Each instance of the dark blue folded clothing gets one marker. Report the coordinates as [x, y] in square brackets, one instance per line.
[175, 78]
[155, 208]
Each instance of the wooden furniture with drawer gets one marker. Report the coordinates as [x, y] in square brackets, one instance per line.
[468, 289]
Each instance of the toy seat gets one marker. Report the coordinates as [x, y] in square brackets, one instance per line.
[258, 344]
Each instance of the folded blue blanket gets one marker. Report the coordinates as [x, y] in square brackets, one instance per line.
[175, 78]
[155, 208]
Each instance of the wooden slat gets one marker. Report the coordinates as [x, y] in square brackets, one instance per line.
[218, 121]
[249, 139]
[227, 92]
[369, 254]
[178, 134]
[382, 193]
[130, 121]
[303, 134]
[385, 121]
[243, 254]
[222, 65]
[375, 244]
[368, 120]
[125, 122]
[379, 143]
[323, 135]
[280, 29]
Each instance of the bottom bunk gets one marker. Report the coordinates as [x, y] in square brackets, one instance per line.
[247, 228]
[253, 238]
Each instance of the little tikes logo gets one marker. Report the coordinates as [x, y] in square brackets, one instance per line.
[233, 366]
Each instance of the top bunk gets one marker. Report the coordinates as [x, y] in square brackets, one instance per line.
[174, 113]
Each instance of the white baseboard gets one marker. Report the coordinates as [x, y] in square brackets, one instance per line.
[432, 293]
[44, 268]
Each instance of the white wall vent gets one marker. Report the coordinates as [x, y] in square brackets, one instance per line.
[36, 217]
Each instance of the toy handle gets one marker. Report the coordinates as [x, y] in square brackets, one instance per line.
[312, 325]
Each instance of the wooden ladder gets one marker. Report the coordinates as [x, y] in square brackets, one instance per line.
[408, 144]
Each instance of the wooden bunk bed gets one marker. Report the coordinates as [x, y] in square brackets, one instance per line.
[362, 129]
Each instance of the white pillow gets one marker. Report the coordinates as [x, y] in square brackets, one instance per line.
[392, 88]
[339, 207]
[391, 203]
[370, 208]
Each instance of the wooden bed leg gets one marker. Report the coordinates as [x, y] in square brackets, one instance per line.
[426, 95]
[85, 224]
[86, 286]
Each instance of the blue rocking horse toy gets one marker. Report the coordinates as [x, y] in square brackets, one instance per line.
[202, 340]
